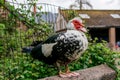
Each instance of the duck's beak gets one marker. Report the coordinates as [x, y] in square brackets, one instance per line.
[83, 29]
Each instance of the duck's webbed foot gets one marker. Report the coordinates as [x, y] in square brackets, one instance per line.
[67, 72]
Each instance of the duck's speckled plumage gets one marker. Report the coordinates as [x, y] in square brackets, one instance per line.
[67, 46]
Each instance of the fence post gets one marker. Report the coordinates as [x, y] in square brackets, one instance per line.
[34, 9]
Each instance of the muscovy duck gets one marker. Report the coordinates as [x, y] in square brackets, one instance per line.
[62, 48]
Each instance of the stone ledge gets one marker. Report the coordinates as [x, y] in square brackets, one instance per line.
[101, 72]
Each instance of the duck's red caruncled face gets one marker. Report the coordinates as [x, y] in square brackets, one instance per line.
[78, 25]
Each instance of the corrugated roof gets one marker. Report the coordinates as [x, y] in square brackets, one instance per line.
[98, 18]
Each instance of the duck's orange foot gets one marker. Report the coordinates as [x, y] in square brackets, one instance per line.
[70, 74]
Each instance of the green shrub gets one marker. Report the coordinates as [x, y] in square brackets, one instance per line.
[2, 33]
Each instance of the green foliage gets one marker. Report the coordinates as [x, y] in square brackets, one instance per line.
[2, 33]
[23, 68]
[1, 2]
[2, 27]
[72, 14]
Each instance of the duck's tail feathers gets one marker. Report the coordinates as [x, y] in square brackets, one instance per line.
[27, 49]
[33, 45]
